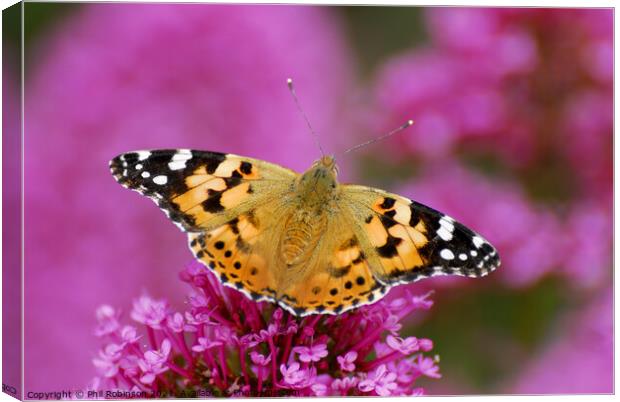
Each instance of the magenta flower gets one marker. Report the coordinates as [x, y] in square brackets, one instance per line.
[205, 344]
[154, 362]
[260, 360]
[149, 312]
[342, 385]
[346, 362]
[108, 320]
[108, 359]
[176, 323]
[239, 345]
[404, 346]
[381, 381]
[426, 366]
[293, 375]
[312, 353]
[129, 334]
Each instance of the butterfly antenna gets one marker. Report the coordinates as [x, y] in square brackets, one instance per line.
[409, 123]
[291, 88]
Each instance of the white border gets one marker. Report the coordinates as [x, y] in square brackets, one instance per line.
[477, 3]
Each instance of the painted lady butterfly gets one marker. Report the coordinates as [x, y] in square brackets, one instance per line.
[304, 241]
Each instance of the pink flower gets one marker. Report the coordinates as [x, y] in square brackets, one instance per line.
[197, 318]
[149, 312]
[426, 366]
[177, 324]
[292, 374]
[205, 344]
[108, 320]
[107, 362]
[381, 381]
[346, 362]
[154, 362]
[129, 334]
[129, 365]
[344, 384]
[425, 344]
[405, 346]
[259, 359]
[311, 354]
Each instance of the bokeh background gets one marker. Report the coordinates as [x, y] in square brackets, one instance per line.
[513, 137]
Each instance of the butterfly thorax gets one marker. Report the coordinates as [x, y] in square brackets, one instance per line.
[315, 191]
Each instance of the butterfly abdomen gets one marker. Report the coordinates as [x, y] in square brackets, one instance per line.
[302, 233]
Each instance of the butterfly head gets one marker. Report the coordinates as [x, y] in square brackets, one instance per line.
[321, 177]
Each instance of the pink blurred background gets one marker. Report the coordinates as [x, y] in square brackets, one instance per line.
[513, 134]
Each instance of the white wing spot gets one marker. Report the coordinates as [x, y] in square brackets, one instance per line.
[177, 165]
[444, 234]
[462, 256]
[142, 155]
[161, 180]
[477, 240]
[473, 253]
[125, 172]
[139, 166]
[446, 228]
[182, 155]
[446, 254]
[146, 175]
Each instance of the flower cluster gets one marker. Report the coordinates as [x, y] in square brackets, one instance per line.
[225, 344]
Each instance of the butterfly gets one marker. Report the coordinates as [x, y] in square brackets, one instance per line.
[304, 241]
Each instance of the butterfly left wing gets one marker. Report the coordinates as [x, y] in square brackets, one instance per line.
[200, 190]
[407, 241]
[225, 202]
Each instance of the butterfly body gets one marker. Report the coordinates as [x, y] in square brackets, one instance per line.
[315, 195]
[305, 241]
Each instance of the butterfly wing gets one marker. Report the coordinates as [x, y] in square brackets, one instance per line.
[223, 201]
[200, 190]
[408, 241]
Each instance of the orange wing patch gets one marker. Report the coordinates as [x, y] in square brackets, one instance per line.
[207, 194]
[346, 283]
[227, 251]
[397, 243]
